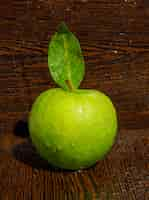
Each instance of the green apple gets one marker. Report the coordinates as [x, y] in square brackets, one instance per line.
[71, 128]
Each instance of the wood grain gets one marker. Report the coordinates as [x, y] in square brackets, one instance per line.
[114, 37]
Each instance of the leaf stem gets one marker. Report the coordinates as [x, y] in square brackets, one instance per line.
[70, 85]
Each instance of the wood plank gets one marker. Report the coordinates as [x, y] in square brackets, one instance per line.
[115, 50]
[123, 174]
[114, 37]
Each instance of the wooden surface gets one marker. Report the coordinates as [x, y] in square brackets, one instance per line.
[114, 35]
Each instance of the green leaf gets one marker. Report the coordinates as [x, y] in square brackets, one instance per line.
[65, 59]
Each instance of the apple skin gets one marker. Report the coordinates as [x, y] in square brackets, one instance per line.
[72, 130]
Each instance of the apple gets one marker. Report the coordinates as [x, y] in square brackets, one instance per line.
[71, 128]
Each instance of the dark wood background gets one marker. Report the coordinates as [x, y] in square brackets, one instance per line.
[114, 35]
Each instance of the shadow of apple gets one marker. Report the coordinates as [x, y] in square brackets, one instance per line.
[26, 152]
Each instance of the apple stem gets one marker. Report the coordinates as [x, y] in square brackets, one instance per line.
[70, 85]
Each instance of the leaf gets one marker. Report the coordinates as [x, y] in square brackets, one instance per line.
[65, 59]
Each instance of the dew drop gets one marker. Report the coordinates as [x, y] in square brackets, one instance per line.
[59, 148]
[72, 145]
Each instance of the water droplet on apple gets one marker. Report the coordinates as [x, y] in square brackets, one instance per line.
[72, 145]
[59, 148]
